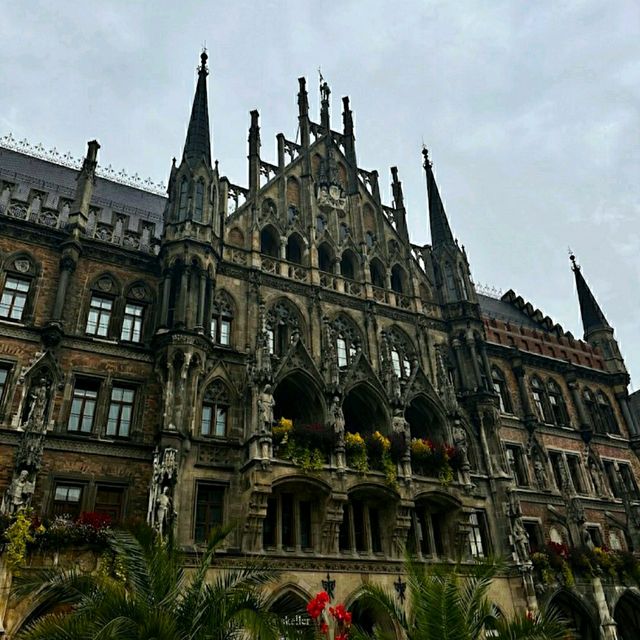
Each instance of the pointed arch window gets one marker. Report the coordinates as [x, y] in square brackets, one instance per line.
[398, 279]
[606, 412]
[347, 342]
[594, 414]
[450, 281]
[463, 283]
[377, 274]
[283, 327]
[557, 404]
[183, 199]
[215, 411]
[199, 204]
[402, 353]
[540, 400]
[221, 320]
[500, 387]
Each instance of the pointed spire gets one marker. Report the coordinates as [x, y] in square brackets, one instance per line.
[398, 204]
[592, 316]
[198, 143]
[440, 229]
[325, 94]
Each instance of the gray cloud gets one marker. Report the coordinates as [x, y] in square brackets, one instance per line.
[530, 111]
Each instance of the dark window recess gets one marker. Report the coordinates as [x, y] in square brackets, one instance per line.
[345, 530]
[557, 467]
[288, 520]
[270, 524]
[67, 500]
[614, 484]
[573, 463]
[595, 535]
[534, 533]
[83, 406]
[209, 510]
[374, 524]
[516, 462]
[109, 502]
[305, 524]
[628, 481]
[358, 527]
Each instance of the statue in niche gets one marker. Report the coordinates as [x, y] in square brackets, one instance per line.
[460, 441]
[265, 409]
[164, 513]
[337, 420]
[37, 407]
[540, 473]
[520, 541]
[596, 478]
[19, 493]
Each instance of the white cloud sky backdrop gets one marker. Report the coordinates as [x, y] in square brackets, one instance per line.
[530, 112]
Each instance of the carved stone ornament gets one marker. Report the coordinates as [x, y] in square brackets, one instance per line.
[105, 284]
[22, 265]
[331, 198]
[138, 293]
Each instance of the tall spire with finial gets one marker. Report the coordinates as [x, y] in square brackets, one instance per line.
[198, 142]
[440, 229]
[592, 316]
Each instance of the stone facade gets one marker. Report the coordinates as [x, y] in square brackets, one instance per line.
[151, 346]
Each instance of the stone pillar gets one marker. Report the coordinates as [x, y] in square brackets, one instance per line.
[202, 292]
[68, 265]
[180, 314]
[464, 377]
[609, 627]
[623, 400]
[166, 293]
[518, 369]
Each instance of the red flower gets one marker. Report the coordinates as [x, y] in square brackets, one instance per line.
[324, 628]
[316, 605]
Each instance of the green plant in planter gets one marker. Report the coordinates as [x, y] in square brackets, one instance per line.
[306, 445]
[19, 535]
[379, 455]
[356, 452]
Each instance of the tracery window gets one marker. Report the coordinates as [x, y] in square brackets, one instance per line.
[221, 319]
[606, 412]
[283, 326]
[199, 204]
[347, 341]
[557, 404]
[500, 387]
[540, 400]
[215, 410]
[401, 352]
[183, 199]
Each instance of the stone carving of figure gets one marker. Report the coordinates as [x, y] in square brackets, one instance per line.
[19, 493]
[337, 420]
[460, 440]
[520, 541]
[163, 512]
[586, 537]
[596, 477]
[541, 474]
[35, 417]
[265, 408]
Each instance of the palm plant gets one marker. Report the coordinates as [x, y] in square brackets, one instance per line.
[449, 603]
[146, 594]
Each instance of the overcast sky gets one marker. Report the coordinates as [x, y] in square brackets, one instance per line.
[529, 110]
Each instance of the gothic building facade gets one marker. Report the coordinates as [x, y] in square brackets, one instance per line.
[282, 357]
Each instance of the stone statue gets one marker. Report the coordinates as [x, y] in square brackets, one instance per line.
[541, 474]
[520, 541]
[35, 417]
[460, 440]
[337, 420]
[586, 537]
[596, 477]
[265, 409]
[19, 493]
[163, 512]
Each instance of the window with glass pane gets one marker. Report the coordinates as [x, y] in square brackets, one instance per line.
[406, 365]
[539, 400]
[573, 462]
[211, 428]
[516, 462]
[109, 502]
[270, 341]
[67, 500]
[99, 316]
[120, 412]
[395, 361]
[209, 510]
[612, 477]
[628, 480]
[83, 407]
[4, 375]
[14, 298]
[132, 323]
[225, 331]
[476, 535]
[557, 466]
[341, 347]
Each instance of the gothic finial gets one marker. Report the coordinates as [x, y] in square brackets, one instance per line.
[203, 61]
[425, 155]
[574, 265]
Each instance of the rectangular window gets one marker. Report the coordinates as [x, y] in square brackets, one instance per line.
[557, 465]
[83, 406]
[610, 470]
[573, 462]
[477, 537]
[595, 535]
[628, 480]
[345, 530]
[99, 316]
[120, 412]
[67, 500]
[209, 510]
[225, 332]
[534, 533]
[358, 526]
[4, 376]
[109, 502]
[14, 298]
[374, 526]
[395, 361]
[132, 323]
[516, 462]
[305, 524]
[341, 348]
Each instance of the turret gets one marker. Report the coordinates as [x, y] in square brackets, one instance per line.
[597, 331]
[84, 190]
[349, 142]
[400, 214]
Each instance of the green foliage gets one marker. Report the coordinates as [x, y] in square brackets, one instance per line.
[451, 603]
[142, 591]
[18, 535]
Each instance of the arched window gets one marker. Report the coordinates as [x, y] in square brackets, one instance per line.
[325, 258]
[104, 293]
[450, 282]
[269, 242]
[295, 248]
[398, 279]
[557, 404]
[221, 319]
[349, 265]
[16, 282]
[183, 199]
[540, 402]
[592, 409]
[197, 214]
[215, 411]
[500, 387]
[377, 273]
[347, 341]
[463, 283]
[283, 325]
[606, 412]
[401, 352]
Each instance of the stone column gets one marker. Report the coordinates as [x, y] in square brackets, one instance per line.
[518, 369]
[68, 264]
[166, 293]
[202, 292]
[634, 428]
[609, 627]
[464, 378]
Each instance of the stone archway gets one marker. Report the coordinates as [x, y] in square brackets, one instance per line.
[297, 398]
[580, 621]
[627, 616]
[290, 605]
[364, 411]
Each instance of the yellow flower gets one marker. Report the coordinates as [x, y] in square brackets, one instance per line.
[354, 440]
[386, 443]
[285, 424]
[41, 529]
